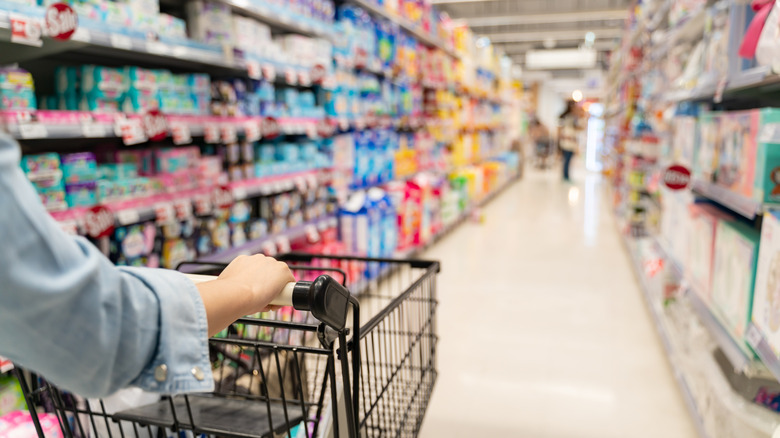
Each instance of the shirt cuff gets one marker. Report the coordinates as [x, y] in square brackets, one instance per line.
[181, 362]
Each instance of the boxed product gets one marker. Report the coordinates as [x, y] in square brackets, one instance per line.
[79, 167]
[704, 220]
[706, 156]
[11, 397]
[767, 173]
[20, 424]
[210, 22]
[766, 300]
[17, 91]
[734, 274]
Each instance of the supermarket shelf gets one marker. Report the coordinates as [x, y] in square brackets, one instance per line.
[664, 334]
[278, 20]
[143, 210]
[119, 46]
[742, 205]
[757, 80]
[428, 40]
[758, 342]
[738, 358]
[266, 186]
[271, 241]
[54, 125]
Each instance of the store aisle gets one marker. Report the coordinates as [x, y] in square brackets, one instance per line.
[544, 333]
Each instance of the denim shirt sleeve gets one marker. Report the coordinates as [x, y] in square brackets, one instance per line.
[69, 314]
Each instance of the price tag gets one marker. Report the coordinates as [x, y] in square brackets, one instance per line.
[131, 131]
[324, 128]
[69, 227]
[253, 70]
[312, 235]
[753, 336]
[269, 72]
[33, 130]
[318, 73]
[268, 248]
[181, 133]
[252, 130]
[5, 365]
[81, 34]
[92, 129]
[239, 193]
[203, 205]
[718, 98]
[99, 222]
[25, 30]
[311, 130]
[157, 48]
[164, 213]
[222, 197]
[211, 133]
[290, 76]
[183, 208]
[283, 243]
[300, 183]
[229, 133]
[61, 21]
[304, 78]
[128, 216]
[119, 41]
[271, 128]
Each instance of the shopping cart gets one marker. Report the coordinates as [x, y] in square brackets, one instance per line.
[326, 367]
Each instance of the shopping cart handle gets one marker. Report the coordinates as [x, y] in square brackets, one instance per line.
[285, 297]
[324, 297]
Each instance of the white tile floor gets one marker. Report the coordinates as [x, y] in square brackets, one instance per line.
[543, 329]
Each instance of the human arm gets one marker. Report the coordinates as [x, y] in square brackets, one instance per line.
[238, 292]
[93, 328]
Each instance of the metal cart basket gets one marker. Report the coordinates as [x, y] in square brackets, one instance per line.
[327, 367]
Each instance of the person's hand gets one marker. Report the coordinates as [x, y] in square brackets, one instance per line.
[264, 277]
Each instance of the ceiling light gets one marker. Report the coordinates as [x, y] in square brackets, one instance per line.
[576, 95]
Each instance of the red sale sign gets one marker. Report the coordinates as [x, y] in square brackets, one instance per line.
[99, 222]
[271, 128]
[155, 125]
[677, 177]
[61, 21]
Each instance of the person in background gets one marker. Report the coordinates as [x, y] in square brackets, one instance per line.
[568, 127]
[540, 136]
[93, 328]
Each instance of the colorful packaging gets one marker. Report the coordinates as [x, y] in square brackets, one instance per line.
[11, 396]
[766, 301]
[81, 194]
[20, 424]
[79, 167]
[704, 220]
[734, 274]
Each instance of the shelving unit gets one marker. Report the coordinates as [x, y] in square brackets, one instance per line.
[428, 40]
[746, 207]
[277, 20]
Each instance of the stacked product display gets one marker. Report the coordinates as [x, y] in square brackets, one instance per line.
[695, 160]
[168, 132]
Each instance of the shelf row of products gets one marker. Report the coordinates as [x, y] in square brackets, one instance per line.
[723, 400]
[697, 182]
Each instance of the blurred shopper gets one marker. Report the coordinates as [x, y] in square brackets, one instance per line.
[540, 136]
[568, 143]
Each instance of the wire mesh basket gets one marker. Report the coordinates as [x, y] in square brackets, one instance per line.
[305, 371]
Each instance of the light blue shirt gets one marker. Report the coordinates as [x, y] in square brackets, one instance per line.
[88, 326]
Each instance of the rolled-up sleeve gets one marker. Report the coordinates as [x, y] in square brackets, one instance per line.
[88, 326]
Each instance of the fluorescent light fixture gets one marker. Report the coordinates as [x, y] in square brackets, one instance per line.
[555, 17]
[511, 37]
[560, 59]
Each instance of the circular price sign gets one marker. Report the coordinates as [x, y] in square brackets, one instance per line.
[99, 222]
[155, 125]
[677, 177]
[271, 128]
[61, 21]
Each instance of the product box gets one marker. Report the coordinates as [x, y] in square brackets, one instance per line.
[706, 154]
[733, 279]
[737, 151]
[704, 220]
[767, 174]
[11, 397]
[81, 194]
[766, 300]
[79, 167]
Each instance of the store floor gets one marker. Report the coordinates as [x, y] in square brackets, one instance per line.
[544, 333]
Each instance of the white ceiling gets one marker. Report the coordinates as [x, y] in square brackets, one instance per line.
[516, 26]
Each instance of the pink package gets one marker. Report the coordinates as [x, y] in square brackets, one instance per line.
[704, 220]
[18, 424]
